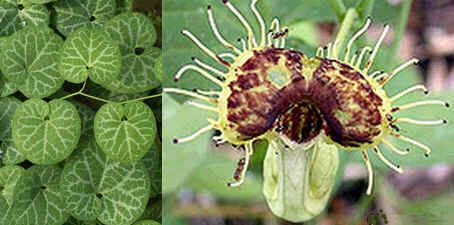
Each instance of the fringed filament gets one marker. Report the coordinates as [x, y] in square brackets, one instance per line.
[361, 56]
[398, 69]
[353, 59]
[208, 67]
[228, 55]
[251, 40]
[284, 37]
[426, 149]
[218, 34]
[374, 74]
[194, 135]
[334, 49]
[202, 106]
[353, 39]
[190, 94]
[261, 23]
[369, 171]
[393, 148]
[243, 43]
[209, 93]
[202, 47]
[375, 51]
[328, 52]
[320, 52]
[420, 103]
[410, 90]
[386, 161]
[421, 122]
[274, 28]
[200, 71]
[248, 150]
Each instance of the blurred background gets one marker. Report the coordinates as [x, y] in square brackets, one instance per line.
[195, 174]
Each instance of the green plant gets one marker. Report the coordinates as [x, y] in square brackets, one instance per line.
[79, 140]
[255, 84]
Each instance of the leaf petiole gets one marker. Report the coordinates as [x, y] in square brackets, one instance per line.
[142, 98]
[80, 92]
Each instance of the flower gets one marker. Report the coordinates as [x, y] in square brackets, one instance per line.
[266, 84]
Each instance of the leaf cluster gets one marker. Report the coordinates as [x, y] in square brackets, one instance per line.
[79, 139]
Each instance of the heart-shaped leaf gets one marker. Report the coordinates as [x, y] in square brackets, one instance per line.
[38, 200]
[95, 187]
[152, 161]
[147, 222]
[28, 59]
[10, 154]
[9, 176]
[46, 133]
[15, 15]
[136, 35]
[71, 15]
[125, 132]
[88, 52]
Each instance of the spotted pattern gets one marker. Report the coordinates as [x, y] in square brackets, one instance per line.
[347, 102]
[301, 123]
[255, 101]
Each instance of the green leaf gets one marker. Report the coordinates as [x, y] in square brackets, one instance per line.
[125, 132]
[213, 175]
[181, 121]
[29, 61]
[8, 107]
[38, 200]
[88, 52]
[46, 133]
[6, 88]
[95, 187]
[136, 36]
[10, 155]
[71, 15]
[147, 222]
[14, 16]
[152, 161]
[9, 177]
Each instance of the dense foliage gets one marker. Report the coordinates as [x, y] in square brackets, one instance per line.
[79, 139]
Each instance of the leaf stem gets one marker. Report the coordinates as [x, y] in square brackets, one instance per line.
[364, 8]
[80, 92]
[142, 98]
[95, 98]
[345, 27]
[75, 93]
[399, 30]
[338, 7]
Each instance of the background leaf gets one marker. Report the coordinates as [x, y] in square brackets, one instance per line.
[71, 14]
[46, 133]
[28, 60]
[136, 35]
[88, 52]
[126, 132]
[95, 187]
